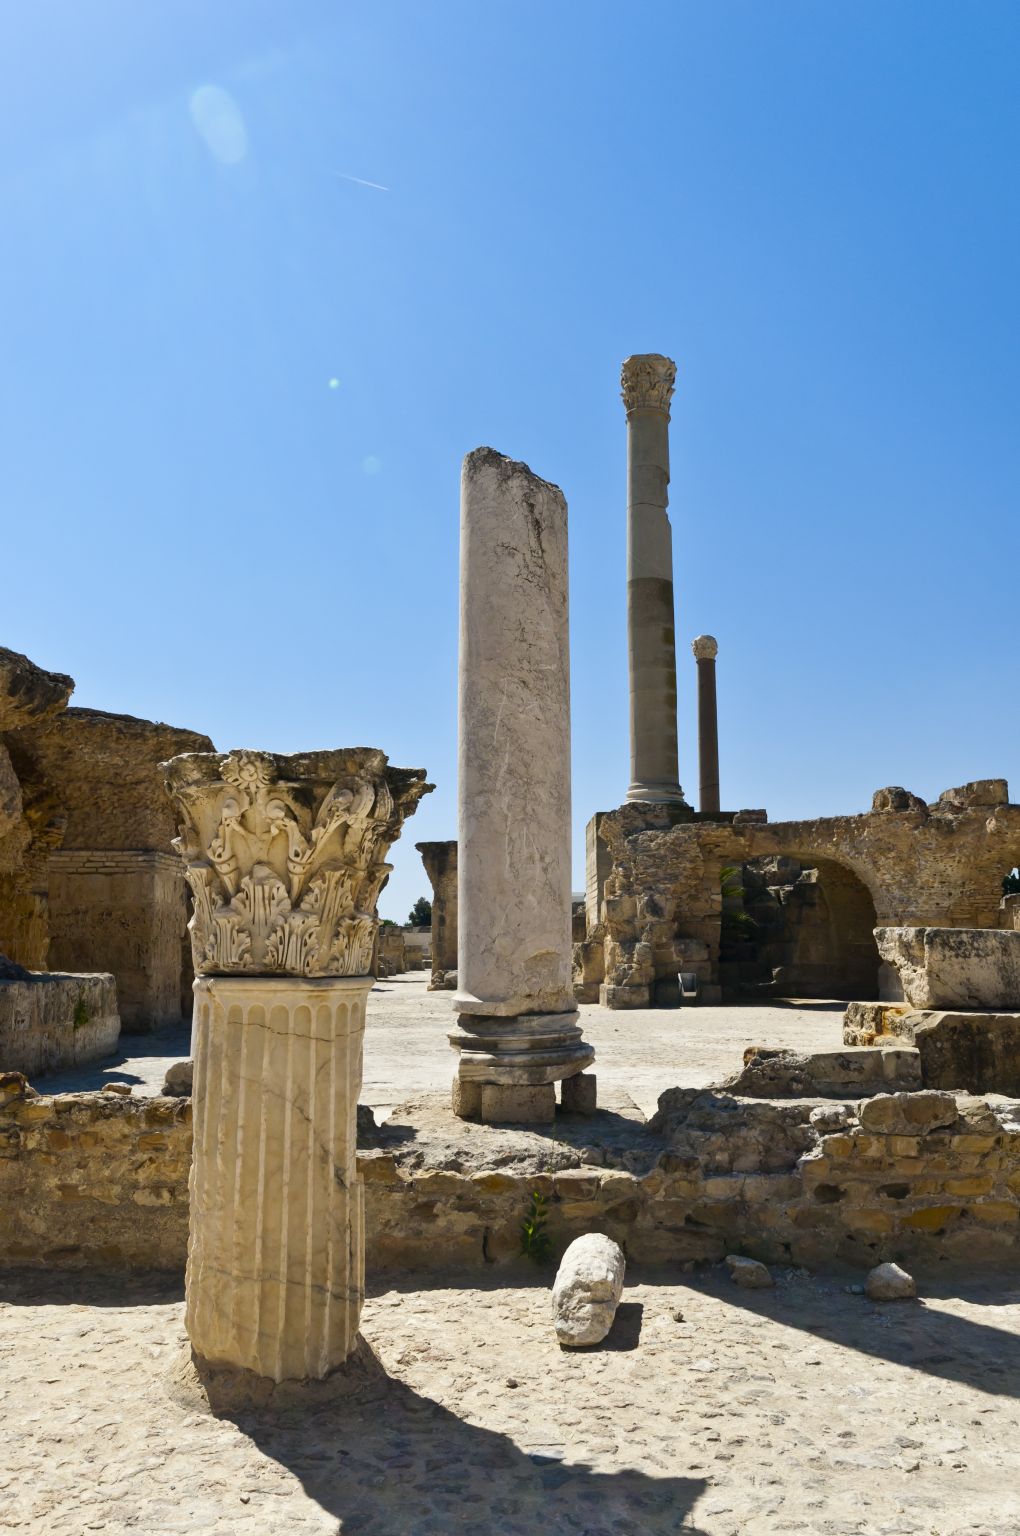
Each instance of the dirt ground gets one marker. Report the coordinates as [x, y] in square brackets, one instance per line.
[709, 1409]
[639, 1052]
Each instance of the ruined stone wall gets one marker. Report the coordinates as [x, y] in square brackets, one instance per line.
[127, 912]
[96, 1180]
[55, 1021]
[937, 865]
[98, 886]
[93, 1180]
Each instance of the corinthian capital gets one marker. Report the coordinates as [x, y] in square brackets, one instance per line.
[647, 382]
[284, 856]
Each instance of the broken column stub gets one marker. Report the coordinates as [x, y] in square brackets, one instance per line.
[284, 856]
[517, 1027]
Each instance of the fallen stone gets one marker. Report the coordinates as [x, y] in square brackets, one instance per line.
[770, 1073]
[587, 1289]
[827, 1118]
[955, 967]
[177, 1081]
[888, 1282]
[748, 1273]
[120, 1088]
[905, 1114]
[979, 1052]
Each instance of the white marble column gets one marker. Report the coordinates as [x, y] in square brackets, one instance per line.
[275, 1277]
[517, 1031]
[284, 856]
[647, 384]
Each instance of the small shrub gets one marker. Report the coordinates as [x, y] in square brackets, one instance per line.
[535, 1241]
[81, 1014]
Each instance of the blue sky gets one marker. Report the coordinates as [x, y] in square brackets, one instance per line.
[237, 382]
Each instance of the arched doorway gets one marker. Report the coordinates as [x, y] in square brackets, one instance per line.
[797, 926]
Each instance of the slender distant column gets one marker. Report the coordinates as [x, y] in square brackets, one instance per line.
[705, 649]
[517, 1032]
[647, 386]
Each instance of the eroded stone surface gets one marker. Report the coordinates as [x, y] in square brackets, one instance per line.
[958, 968]
[587, 1289]
[285, 856]
[888, 1282]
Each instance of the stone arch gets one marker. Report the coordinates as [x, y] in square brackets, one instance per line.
[812, 930]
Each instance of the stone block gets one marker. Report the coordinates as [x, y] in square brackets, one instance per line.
[770, 1073]
[531, 1105]
[963, 968]
[578, 1093]
[905, 1114]
[466, 1097]
[975, 1051]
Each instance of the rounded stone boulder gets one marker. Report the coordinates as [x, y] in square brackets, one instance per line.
[888, 1282]
[587, 1289]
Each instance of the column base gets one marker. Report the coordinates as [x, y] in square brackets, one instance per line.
[657, 793]
[525, 1052]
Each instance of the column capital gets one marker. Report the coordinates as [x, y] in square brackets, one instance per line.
[705, 647]
[647, 382]
[285, 856]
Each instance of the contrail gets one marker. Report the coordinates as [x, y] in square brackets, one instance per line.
[361, 182]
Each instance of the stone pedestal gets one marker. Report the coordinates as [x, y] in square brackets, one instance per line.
[275, 1277]
[647, 386]
[706, 649]
[518, 1021]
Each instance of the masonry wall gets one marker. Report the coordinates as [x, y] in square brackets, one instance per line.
[97, 1180]
[126, 912]
[53, 1021]
[654, 877]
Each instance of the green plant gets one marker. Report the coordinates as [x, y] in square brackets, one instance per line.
[420, 914]
[535, 1241]
[81, 1014]
[736, 923]
[1011, 883]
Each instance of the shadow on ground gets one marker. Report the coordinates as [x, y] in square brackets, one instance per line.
[387, 1461]
[907, 1333]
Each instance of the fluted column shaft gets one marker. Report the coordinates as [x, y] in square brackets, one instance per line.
[275, 1278]
[647, 382]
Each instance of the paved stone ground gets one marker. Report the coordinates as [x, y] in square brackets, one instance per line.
[407, 1053]
[709, 1409]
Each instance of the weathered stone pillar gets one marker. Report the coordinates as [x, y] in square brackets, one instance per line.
[284, 856]
[647, 385]
[517, 1029]
[705, 649]
[440, 861]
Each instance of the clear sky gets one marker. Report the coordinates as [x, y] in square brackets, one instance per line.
[269, 270]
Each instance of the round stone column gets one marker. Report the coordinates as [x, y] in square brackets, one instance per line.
[705, 649]
[276, 1262]
[517, 1029]
[647, 387]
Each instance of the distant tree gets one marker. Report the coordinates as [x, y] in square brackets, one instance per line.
[1011, 883]
[420, 915]
[386, 922]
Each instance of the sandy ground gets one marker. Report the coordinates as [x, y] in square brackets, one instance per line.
[709, 1409]
[639, 1053]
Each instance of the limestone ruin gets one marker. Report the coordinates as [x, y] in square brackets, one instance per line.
[285, 860]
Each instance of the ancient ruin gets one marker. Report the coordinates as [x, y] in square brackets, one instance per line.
[517, 1031]
[440, 861]
[285, 860]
